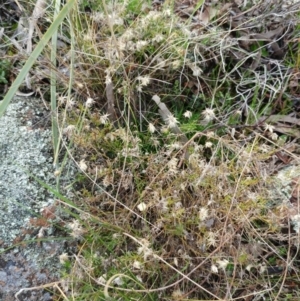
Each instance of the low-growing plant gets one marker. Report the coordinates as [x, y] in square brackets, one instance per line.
[168, 118]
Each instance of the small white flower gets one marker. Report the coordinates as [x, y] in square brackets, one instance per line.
[128, 34]
[158, 38]
[214, 269]
[98, 17]
[140, 45]
[102, 279]
[70, 103]
[262, 268]
[65, 284]
[104, 119]
[89, 102]
[76, 228]
[139, 88]
[139, 278]
[41, 233]
[88, 37]
[151, 128]
[208, 144]
[108, 180]
[108, 79]
[177, 205]
[114, 19]
[172, 121]
[175, 145]
[62, 100]
[211, 240]
[274, 136]
[172, 164]
[137, 265]
[57, 172]
[269, 127]
[167, 12]
[82, 165]
[144, 80]
[144, 249]
[222, 263]
[164, 130]
[188, 114]
[69, 130]
[118, 281]
[162, 205]
[177, 294]
[296, 222]
[208, 114]
[63, 258]
[79, 85]
[176, 64]
[142, 207]
[196, 70]
[116, 236]
[203, 214]
[211, 134]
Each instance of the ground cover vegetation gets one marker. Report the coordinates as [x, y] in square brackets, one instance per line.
[179, 115]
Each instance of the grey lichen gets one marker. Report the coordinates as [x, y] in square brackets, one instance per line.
[26, 154]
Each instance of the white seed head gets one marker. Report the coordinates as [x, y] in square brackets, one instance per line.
[136, 265]
[222, 263]
[142, 207]
[172, 121]
[208, 114]
[108, 79]
[269, 127]
[118, 281]
[151, 128]
[76, 229]
[102, 279]
[140, 45]
[214, 269]
[144, 80]
[63, 258]
[274, 136]
[69, 130]
[203, 214]
[208, 144]
[104, 119]
[188, 114]
[89, 102]
[82, 165]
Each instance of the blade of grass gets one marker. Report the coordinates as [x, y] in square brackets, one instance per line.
[55, 133]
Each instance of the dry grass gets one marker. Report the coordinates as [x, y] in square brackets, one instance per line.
[179, 204]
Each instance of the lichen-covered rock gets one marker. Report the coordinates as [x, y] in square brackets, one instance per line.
[26, 152]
